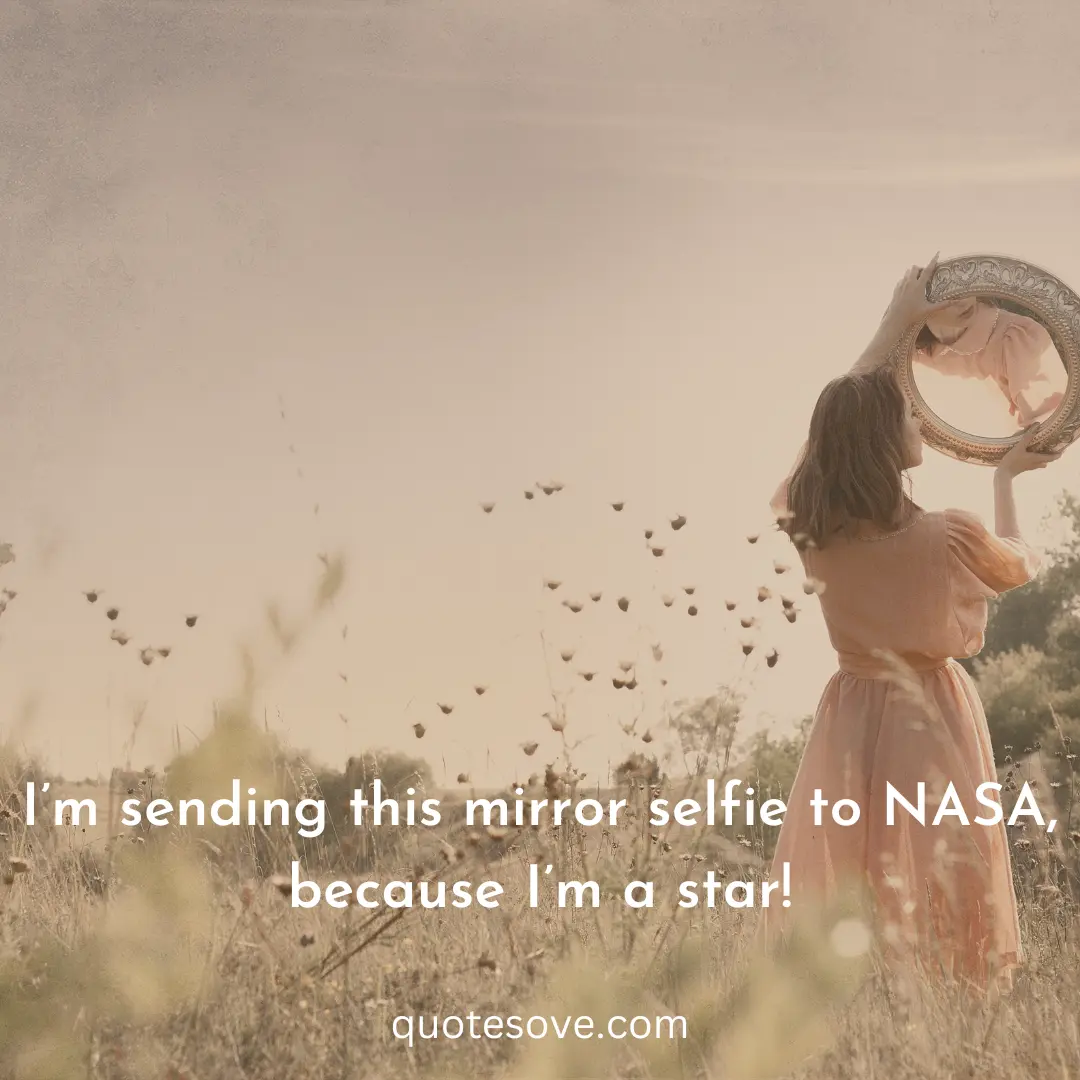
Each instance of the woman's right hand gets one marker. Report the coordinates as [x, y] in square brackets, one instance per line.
[1019, 459]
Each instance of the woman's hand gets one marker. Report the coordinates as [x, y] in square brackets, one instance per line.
[1019, 459]
[909, 303]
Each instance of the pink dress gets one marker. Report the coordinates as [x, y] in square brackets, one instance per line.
[988, 342]
[943, 894]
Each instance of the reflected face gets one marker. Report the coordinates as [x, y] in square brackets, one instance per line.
[913, 439]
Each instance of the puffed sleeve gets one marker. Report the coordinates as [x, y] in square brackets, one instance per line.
[993, 564]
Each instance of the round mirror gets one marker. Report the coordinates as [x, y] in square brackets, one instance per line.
[1003, 353]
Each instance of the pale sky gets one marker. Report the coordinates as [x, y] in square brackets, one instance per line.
[470, 247]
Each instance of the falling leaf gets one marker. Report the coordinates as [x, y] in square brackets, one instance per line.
[678, 522]
[487, 507]
[529, 748]
[617, 506]
[419, 730]
[446, 709]
[624, 603]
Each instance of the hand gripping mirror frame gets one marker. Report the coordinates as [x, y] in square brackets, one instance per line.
[1050, 300]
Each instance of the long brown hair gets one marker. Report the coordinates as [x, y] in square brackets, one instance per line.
[854, 462]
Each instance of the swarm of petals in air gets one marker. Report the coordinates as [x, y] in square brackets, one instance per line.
[771, 657]
[678, 522]
[763, 594]
[624, 603]
[445, 709]
[419, 730]
[812, 585]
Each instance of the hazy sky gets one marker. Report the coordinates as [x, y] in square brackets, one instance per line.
[469, 247]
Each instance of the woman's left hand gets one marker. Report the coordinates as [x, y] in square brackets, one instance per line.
[910, 303]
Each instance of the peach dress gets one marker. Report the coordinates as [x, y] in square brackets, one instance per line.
[989, 342]
[943, 895]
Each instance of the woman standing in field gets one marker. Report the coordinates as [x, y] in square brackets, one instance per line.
[905, 594]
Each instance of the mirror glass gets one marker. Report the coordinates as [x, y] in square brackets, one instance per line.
[988, 367]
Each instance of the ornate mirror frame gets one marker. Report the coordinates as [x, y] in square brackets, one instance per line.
[1055, 305]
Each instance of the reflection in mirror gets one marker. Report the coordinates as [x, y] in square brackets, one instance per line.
[988, 367]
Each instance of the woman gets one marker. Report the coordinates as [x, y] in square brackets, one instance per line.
[904, 593]
[977, 340]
